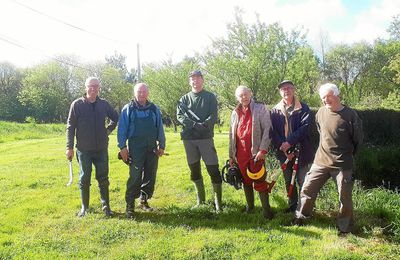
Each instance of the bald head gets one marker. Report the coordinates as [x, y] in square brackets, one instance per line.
[141, 93]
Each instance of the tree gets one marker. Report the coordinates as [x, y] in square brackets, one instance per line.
[10, 85]
[394, 28]
[167, 83]
[255, 55]
[304, 72]
[45, 91]
[345, 64]
[114, 88]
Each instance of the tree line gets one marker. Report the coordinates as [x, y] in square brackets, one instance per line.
[257, 55]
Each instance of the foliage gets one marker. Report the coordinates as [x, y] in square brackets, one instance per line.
[38, 215]
[45, 92]
[377, 166]
[10, 86]
[345, 65]
[167, 83]
[254, 55]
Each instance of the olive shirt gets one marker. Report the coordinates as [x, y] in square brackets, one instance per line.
[204, 105]
[340, 137]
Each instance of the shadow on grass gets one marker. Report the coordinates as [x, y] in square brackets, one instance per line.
[231, 217]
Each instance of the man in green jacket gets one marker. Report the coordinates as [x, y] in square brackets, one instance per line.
[197, 111]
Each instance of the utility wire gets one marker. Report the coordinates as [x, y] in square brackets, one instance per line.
[15, 43]
[68, 24]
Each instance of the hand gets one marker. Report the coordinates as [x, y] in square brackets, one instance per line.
[124, 155]
[285, 146]
[259, 156]
[199, 126]
[231, 162]
[159, 152]
[290, 156]
[70, 154]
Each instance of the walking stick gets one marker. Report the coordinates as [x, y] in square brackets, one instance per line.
[71, 173]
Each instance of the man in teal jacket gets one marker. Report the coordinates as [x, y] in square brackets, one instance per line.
[141, 125]
[197, 111]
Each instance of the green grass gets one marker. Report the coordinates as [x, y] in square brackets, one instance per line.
[37, 216]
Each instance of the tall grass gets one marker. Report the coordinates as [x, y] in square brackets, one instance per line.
[37, 217]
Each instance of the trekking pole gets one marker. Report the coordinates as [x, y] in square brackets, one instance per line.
[71, 173]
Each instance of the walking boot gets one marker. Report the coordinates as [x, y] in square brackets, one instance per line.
[217, 187]
[201, 193]
[85, 202]
[249, 194]
[130, 209]
[266, 209]
[105, 201]
[144, 204]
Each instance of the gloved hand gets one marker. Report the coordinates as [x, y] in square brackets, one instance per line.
[200, 126]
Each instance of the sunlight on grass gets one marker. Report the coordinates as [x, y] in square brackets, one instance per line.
[38, 219]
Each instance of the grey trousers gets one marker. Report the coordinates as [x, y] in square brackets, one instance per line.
[315, 179]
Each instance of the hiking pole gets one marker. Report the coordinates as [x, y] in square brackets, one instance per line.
[71, 173]
[291, 186]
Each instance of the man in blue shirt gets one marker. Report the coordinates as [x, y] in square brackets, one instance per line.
[141, 125]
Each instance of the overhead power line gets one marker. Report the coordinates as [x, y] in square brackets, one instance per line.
[68, 24]
[15, 43]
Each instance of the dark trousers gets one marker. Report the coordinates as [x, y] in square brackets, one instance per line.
[142, 171]
[100, 161]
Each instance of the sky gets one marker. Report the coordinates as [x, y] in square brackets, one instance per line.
[32, 31]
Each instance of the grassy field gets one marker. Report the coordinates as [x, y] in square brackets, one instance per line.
[37, 214]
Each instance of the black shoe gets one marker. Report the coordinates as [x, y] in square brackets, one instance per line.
[107, 211]
[268, 214]
[129, 212]
[343, 234]
[144, 205]
[297, 222]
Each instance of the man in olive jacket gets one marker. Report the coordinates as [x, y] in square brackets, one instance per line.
[86, 121]
[197, 111]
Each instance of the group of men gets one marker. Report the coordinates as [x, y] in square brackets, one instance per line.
[141, 140]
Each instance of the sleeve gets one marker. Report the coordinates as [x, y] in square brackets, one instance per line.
[302, 131]
[161, 133]
[213, 117]
[182, 116]
[358, 134]
[265, 117]
[71, 126]
[275, 136]
[112, 114]
[123, 125]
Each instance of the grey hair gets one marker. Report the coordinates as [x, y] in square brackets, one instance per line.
[90, 79]
[324, 89]
[243, 88]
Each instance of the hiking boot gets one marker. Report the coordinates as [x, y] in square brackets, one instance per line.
[107, 211]
[297, 222]
[129, 211]
[83, 212]
[144, 205]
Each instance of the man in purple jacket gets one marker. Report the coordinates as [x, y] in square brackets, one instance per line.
[290, 122]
